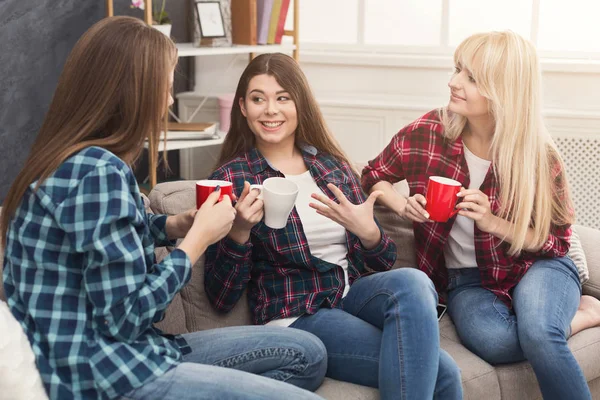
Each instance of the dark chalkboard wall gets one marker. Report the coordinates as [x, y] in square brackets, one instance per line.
[36, 37]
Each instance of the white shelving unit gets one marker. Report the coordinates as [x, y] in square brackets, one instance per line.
[190, 50]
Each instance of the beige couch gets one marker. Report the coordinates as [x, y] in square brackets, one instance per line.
[191, 311]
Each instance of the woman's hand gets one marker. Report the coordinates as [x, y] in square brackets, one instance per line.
[211, 223]
[475, 205]
[357, 219]
[250, 211]
[415, 209]
[178, 225]
[215, 218]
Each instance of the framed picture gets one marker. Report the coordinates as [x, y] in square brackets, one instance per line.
[210, 19]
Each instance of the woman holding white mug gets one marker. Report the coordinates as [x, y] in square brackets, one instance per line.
[315, 273]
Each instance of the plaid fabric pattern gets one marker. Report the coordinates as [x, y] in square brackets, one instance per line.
[81, 278]
[282, 277]
[419, 151]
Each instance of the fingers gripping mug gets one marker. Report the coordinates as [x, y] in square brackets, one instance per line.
[279, 197]
[441, 198]
[206, 186]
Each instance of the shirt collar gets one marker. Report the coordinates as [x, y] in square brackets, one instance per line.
[258, 163]
[455, 148]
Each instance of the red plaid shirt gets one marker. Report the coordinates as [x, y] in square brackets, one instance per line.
[282, 277]
[418, 151]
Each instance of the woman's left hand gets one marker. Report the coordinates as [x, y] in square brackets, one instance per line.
[475, 205]
[178, 225]
[357, 219]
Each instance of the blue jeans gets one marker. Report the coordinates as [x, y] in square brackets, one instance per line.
[537, 329]
[385, 334]
[237, 362]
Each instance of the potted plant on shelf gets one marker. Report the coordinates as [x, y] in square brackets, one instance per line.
[161, 20]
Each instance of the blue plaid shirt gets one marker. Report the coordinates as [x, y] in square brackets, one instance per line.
[282, 276]
[81, 277]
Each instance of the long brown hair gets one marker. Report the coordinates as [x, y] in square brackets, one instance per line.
[112, 93]
[311, 129]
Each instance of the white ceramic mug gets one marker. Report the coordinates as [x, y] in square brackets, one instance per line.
[279, 197]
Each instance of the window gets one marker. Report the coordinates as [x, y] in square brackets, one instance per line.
[569, 25]
[559, 27]
[418, 23]
[466, 17]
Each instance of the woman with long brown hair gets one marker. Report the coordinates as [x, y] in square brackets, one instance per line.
[79, 269]
[315, 274]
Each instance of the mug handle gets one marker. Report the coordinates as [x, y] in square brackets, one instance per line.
[453, 213]
[259, 187]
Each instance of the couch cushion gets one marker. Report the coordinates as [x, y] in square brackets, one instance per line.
[479, 378]
[338, 390]
[401, 232]
[590, 238]
[172, 198]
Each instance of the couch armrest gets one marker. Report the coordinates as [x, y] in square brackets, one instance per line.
[590, 241]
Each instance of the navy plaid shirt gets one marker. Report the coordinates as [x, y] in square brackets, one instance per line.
[282, 277]
[81, 277]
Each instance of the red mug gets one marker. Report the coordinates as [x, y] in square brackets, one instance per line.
[206, 186]
[441, 198]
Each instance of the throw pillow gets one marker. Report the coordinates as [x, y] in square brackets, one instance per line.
[19, 376]
[578, 256]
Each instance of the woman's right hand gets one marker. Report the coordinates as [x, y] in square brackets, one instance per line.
[250, 210]
[415, 209]
[215, 218]
[212, 222]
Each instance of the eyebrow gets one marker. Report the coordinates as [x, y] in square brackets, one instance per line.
[260, 91]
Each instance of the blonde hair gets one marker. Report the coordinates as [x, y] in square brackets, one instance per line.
[506, 69]
[311, 128]
[113, 93]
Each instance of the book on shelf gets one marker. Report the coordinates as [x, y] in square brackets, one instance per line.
[244, 22]
[191, 131]
[263, 8]
[274, 21]
[285, 5]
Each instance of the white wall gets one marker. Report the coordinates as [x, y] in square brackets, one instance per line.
[367, 98]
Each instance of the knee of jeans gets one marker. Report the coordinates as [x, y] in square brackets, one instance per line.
[412, 283]
[537, 336]
[449, 369]
[313, 349]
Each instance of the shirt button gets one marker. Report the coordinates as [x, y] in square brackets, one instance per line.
[105, 322]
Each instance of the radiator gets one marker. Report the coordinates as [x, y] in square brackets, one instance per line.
[581, 155]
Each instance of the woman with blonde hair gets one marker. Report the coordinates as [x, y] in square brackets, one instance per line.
[79, 268]
[512, 292]
[317, 273]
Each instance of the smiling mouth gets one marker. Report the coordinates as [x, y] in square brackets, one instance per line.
[457, 97]
[271, 125]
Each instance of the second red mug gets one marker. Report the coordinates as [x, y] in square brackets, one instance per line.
[441, 198]
[206, 186]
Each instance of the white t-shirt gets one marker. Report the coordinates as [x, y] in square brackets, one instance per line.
[459, 250]
[326, 238]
